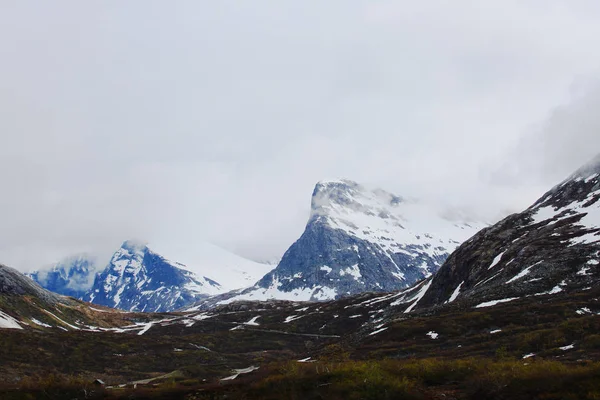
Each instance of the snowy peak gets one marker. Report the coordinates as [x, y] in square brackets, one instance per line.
[360, 240]
[340, 198]
[385, 219]
[139, 279]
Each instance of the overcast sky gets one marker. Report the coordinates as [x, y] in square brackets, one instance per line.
[181, 121]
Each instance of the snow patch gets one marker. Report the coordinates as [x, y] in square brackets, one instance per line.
[239, 372]
[8, 322]
[522, 273]
[455, 293]
[353, 271]
[377, 331]
[253, 322]
[419, 296]
[494, 302]
[432, 334]
[40, 323]
[496, 260]
[324, 268]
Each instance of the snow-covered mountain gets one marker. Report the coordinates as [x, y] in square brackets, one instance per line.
[360, 240]
[552, 247]
[138, 278]
[73, 276]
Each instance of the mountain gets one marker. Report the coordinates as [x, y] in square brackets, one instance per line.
[71, 277]
[26, 305]
[359, 240]
[550, 248]
[138, 278]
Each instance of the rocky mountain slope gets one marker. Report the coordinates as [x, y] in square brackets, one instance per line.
[359, 240]
[552, 247]
[26, 305]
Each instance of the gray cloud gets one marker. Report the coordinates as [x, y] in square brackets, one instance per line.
[178, 123]
[563, 142]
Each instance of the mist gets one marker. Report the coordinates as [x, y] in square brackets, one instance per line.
[189, 122]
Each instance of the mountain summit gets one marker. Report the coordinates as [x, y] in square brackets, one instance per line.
[359, 240]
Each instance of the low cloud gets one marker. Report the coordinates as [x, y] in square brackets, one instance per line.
[213, 121]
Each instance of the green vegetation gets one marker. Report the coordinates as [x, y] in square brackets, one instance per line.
[384, 379]
[467, 361]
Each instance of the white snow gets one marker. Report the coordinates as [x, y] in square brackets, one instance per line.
[253, 322]
[377, 331]
[455, 293]
[488, 279]
[556, 289]
[494, 302]
[386, 221]
[496, 260]
[522, 273]
[239, 372]
[99, 310]
[60, 320]
[305, 360]
[496, 331]
[292, 318]
[591, 178]
[590, 217]
[40, 323]
[569, 347]
[208, 260]
[200, 317]
[432, 334]
[584, 271]
[529, 355]
[588, 238]
[274, 293]
[8, 322]
[419, 296]
[583, 311]
[353, 271]
[145, 328]
[324, 268]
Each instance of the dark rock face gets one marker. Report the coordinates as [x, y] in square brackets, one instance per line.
[552, 247]
[137, 279]
[72, 277]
